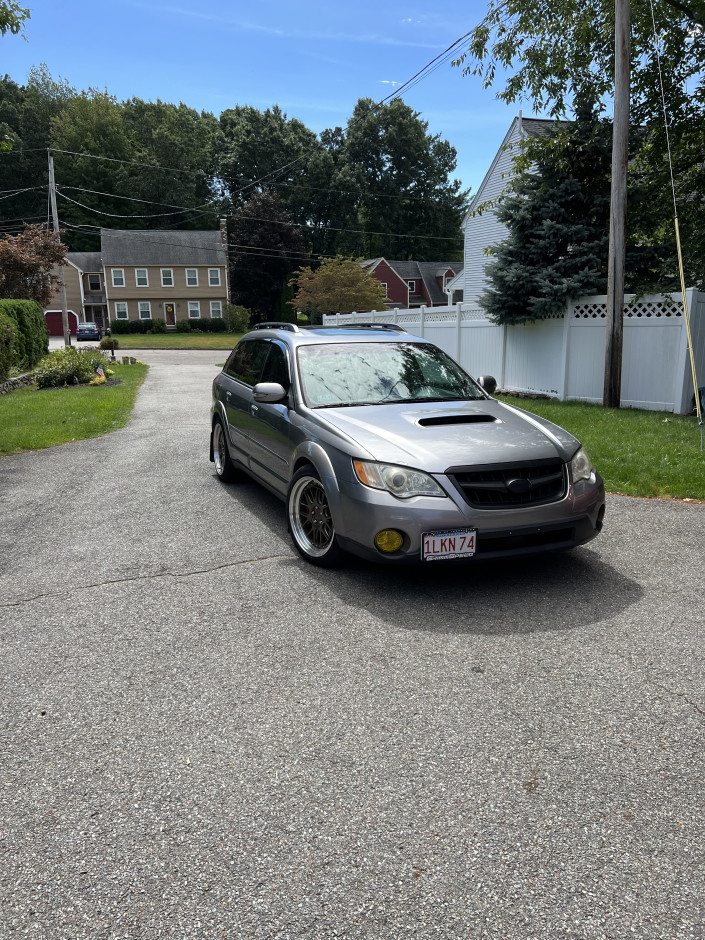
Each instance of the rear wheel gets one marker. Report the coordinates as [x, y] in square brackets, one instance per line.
[221, 458]
[310, 521]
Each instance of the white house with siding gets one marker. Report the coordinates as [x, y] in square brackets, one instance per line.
[481, 227]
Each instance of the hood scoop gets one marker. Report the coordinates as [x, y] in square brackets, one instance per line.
[441, 420]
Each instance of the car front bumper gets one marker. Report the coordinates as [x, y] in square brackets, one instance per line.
[362, 512]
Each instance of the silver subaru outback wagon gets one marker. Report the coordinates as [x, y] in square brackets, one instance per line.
[381, 445]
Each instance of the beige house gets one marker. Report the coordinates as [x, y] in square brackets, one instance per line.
[146, 275]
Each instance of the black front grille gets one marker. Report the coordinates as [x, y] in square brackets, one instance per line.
[500, 486]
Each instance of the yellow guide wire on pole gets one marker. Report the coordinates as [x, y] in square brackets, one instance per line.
[696, 393]
[698, 410]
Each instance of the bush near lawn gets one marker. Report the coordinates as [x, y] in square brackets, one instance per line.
[8, 345]
[69, 366]
[32, 338]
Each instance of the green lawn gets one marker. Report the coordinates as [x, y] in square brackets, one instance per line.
[176, 341]
[639, 453]
[31, 418]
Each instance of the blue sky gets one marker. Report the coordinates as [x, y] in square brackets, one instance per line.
[314, 59]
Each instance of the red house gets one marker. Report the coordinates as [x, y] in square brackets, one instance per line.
[415, 283]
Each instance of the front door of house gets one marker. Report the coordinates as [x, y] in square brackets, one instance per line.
[170, 314]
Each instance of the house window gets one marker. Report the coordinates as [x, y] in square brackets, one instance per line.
[120, 310]
[145, 310]
[167, 277]
[194, 310]
[191, 277]
[94, 282]
[216, 309]
[141, 277]
[384, 285]
[412, 286]
[118, 277]
[214, 277]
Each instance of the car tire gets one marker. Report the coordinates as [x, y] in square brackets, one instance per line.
[224, 467]
[310, 522]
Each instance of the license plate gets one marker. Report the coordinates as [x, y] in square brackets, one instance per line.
[456, 543]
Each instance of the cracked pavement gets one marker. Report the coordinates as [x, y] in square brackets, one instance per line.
[202, 736]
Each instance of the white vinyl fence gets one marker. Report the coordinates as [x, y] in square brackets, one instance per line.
[564, 357]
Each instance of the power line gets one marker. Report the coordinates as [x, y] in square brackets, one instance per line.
[151, 166]
[149, 202]
[117, 215]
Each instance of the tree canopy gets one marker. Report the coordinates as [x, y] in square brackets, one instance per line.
[562, 62]
[265, 247]
[338, 285]
[381, 185]
[12, 17]
[27, 264]
[563, 56]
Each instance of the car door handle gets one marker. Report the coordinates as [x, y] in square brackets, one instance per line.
[253, 409]
[227, 395]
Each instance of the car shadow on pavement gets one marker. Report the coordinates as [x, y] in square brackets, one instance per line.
[557, 591]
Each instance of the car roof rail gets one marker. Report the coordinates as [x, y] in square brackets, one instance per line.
[276, 325]
[394, 327]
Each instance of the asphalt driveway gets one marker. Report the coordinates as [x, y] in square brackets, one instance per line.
[202, 736]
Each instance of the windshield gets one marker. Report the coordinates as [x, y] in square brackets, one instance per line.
[336, 375]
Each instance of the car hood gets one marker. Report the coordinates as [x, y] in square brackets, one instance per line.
[434, 436]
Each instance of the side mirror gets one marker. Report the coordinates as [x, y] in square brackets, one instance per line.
[269, 392]
[489, 383]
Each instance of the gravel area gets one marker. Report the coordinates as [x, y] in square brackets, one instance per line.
[202, 736]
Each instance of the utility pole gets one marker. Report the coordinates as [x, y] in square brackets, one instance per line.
[62, 286]
[618, 207]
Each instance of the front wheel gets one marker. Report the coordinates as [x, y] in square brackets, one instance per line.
[310, 521]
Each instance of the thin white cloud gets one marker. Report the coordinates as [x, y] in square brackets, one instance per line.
[373, 39]
[383, 81]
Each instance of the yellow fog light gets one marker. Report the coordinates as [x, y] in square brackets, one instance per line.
[389, 540]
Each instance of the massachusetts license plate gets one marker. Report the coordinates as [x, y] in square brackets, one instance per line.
[456, 543]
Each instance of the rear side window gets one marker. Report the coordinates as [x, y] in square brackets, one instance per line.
[246, 361]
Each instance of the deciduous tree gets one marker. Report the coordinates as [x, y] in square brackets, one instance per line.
[338, 285]
[12, 17]
[27, 264]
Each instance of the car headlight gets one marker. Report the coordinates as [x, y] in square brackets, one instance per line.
[581, 467]
[399, 481]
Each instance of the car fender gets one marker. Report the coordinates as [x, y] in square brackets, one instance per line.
[314, 454]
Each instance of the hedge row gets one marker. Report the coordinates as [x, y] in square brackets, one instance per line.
[26, 340]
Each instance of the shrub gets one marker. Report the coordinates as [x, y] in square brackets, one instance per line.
[68, 366]
[183, 326]
[8, 345]
[236, 318]
[209, 326]
[120, 326]
[109, 342]
[158, 325]
[139, 326]
[32, 334]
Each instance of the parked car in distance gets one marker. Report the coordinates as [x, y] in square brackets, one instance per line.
[88, 330]
[382, 446]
